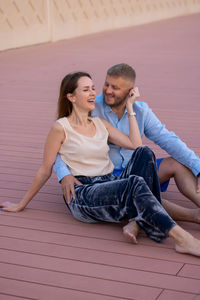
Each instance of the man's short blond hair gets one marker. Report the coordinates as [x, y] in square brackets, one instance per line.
[122, 70]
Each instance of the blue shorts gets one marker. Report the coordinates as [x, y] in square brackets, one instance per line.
[163, 186]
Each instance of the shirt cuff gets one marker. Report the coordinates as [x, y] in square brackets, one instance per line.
[62, 173]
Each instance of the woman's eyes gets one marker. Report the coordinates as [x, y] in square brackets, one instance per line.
[87, 90]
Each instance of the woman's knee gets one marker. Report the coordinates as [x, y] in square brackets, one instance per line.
[145, 151]
[136, 180]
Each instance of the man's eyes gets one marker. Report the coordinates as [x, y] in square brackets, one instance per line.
[113, 87]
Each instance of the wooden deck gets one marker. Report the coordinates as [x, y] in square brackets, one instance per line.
[44, 252]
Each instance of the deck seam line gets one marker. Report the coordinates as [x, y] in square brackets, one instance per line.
[64, 288]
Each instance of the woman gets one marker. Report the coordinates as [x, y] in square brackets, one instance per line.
[82, 143]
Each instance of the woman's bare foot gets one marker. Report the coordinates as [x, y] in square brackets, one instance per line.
[184, 241]
[131, 231]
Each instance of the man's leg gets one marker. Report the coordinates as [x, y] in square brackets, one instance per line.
[180, 213]
[184, 178]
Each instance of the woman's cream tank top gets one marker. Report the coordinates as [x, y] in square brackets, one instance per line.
[86, 156]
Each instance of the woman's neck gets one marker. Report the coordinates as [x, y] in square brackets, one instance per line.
[79, 118]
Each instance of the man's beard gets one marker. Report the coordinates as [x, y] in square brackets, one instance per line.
[118, 102]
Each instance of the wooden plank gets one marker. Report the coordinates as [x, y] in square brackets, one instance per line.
[12, 297]
[91, 256]
[67, 280]
[70, 226]
[85, 269]
[172, 295]
[190, 271]
[73, 237]
[25, 289]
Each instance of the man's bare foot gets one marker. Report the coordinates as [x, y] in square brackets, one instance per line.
[184, 241]
[131, 231]
[190, 246]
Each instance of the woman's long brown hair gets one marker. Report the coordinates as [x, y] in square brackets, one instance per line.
[68, 85]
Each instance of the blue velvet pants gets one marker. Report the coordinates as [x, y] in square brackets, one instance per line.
[134, 195]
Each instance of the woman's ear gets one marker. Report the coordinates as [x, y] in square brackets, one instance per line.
[70, 97]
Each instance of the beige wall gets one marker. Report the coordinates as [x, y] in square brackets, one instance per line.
[27, 22]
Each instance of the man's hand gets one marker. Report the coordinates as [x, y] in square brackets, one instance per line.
[133, 95]
[10, 207]
[68, 183]
[198, 183]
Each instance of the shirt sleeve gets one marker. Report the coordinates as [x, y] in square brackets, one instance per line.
[60, 168]
[168, 141]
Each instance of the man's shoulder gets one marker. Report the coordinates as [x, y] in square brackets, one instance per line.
[99, 106]
[99, 98]
[141, 107]
[141, 104]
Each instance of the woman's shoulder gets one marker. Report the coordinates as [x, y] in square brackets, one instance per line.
[98, 120]
[63, 122]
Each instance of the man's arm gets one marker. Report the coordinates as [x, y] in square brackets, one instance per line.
[65, 177]
[168, 141]
[60, 168]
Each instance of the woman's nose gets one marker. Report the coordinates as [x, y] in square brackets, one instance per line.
[93, 92]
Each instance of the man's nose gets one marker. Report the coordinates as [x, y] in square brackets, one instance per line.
[108, 90]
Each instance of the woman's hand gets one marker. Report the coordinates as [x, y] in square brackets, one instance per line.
[11, 207]
[53, 142]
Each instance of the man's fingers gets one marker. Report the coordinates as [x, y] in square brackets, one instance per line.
[68, 183]
[136, 92]
[134, 95]
[72, 191]
[68, 192]
[76, 181]
[67, 195]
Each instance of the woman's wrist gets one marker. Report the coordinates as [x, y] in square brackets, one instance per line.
[20, 207]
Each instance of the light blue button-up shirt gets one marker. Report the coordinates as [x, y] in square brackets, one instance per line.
[150, 126]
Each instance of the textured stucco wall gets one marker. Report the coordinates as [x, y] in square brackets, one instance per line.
[27, 22]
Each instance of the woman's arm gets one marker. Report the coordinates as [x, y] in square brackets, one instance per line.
[53, 143]
[117, 137]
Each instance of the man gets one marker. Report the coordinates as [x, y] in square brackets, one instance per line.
[183, 164]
